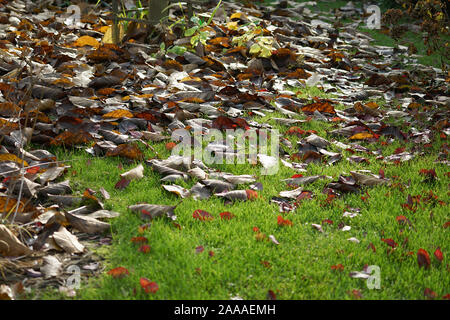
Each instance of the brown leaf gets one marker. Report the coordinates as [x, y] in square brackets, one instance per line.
[10, 245]
[130, 151]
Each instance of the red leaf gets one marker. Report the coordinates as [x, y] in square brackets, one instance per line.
[202, 215]
[118, 272]
[139, 240]
[33, 170]
[390, 242]
[251, 194]
[271, 295]
[255, 229]
[283, 222]
[430, 294]
[226, 215]
[438, 254]
[145, 248]
[338, 267]
[199, 249]
[423, 259]
[371, 246]
[148, 286]
[122, 184]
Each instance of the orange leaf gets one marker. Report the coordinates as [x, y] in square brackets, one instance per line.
[86, 41]
[119, 272]
[319, 106]
[148, 286]
[127, 151]
[119, 113]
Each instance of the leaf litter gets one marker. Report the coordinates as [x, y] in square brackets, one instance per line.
[116, 100]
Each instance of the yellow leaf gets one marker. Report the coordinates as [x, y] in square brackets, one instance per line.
[108, 38]
[372, 105]
[361, 136]
[233, 25]
[12, 157]
[87, 41]
[238, 15]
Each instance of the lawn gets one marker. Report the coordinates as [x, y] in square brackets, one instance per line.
[236, 261]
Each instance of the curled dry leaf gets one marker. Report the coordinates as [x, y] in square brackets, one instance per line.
[87, 224]
[67, 241]
[10, 245]
[178, 190]
[368, 180]
[51, 267]
[134, 174]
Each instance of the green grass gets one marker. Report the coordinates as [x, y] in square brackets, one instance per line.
[301, 264]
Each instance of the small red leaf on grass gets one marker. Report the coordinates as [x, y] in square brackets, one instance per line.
[139, 240]
[338, 267]
[226, 215]
[251, 194]
[199, 249]
[271, 295]
[430, 294]
[122, 184]
[438, 254]
[283, 222]
[390, 242]
[148, 286]
[119, 272]
[423, 259]
[202, 215]
[145, 248]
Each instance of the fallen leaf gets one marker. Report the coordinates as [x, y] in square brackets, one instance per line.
[423, 259]
[148, 286]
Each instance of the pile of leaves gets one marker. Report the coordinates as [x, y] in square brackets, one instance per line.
[65, 85]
